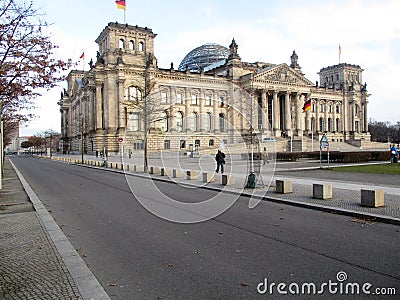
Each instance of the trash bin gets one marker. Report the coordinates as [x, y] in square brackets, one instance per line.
[251, 181]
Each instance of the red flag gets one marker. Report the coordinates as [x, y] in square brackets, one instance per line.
[121, 4]
[82, 56]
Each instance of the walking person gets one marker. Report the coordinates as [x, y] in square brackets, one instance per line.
[220, 159]
[264, 156]
[393, 154]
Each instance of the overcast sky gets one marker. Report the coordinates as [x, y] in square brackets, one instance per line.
[268, 31]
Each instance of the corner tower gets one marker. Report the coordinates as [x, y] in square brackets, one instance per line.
[123, 43]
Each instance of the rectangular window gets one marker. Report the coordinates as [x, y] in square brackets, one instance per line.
[194, 99]
[221, 101]
[338, 109]
[179, 99]
[138, 145]
[330, 108]
[211, 143]
[167, 144]
[134, 122]
[208, 100]
[164, 97]
[182, 144]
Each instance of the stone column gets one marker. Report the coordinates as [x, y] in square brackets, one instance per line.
[215, 112]
[317, 129]
[173, 109]
[187, 110]
[353, 117]
[287, 113]
[264, 100]
[366, 116]
[120, 114]
[299, 112]
[275, 107]
[109, 96]
[326, 116]
[344, 121]
[254, 112]
[201, 100]
[99, 106]
[334, 129]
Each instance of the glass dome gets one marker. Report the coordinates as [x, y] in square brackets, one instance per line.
[203, 56]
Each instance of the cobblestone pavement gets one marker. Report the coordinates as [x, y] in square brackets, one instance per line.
[30, 266]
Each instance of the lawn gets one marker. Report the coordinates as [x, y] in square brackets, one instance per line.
[393, 169]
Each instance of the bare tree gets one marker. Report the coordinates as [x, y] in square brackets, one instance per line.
[50, 135]
[26, 62]
[149, 106]
[37, 141]
[244, 103]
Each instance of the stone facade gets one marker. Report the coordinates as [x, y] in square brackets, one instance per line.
[125, 98]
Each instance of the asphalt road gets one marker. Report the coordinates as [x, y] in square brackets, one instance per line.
[136, 255]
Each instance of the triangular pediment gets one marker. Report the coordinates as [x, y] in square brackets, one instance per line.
[282, 74]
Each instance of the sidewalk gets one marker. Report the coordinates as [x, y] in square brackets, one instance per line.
[34, 263]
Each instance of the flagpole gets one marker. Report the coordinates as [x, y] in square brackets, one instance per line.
[125, 16]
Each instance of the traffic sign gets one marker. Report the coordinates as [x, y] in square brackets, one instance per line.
[324, 145]
[324, 139]
[120, 139]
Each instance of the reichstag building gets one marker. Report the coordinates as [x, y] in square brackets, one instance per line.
[213, 97]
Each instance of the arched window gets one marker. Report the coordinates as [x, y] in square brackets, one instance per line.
[329, 124]
[133, 94]
[207, 122]
[193, 122]
[338, 125]
[222, 122]
[131, 45]
[321, 124]
[164, 122]
[141, 46]
[313, 128]
[179, 121]
[121, 44]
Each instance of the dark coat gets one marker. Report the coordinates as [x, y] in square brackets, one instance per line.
[220, 157]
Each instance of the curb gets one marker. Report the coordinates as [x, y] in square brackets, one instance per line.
[86, 282]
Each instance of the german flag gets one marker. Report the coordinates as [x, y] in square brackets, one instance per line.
[82, 56]
[121, 4]
[307, 105]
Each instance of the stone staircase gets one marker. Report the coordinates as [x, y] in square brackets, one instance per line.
[306, 144]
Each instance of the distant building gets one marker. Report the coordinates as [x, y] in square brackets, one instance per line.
[13, 138]
[212, 97]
